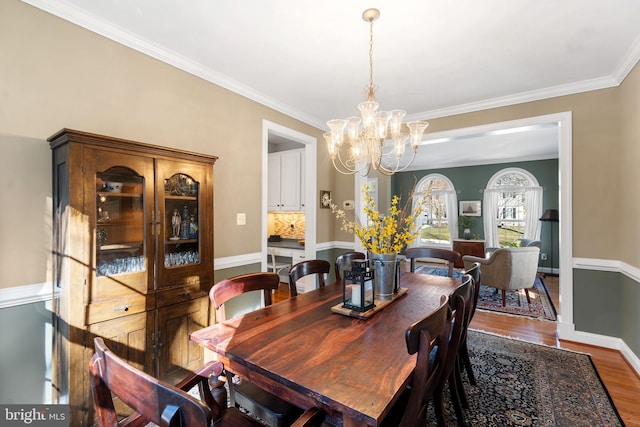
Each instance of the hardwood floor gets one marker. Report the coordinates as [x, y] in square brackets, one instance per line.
[620, 379]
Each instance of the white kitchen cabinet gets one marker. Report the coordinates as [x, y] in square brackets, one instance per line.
[285, 179]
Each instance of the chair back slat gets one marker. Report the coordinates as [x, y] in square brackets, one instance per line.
[226, 289]
[155, 401]
[319, 267]
[345, 259]
[452, 257]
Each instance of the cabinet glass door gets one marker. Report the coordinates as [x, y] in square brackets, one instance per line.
[185, 258]
[119, 222]
[181, 246]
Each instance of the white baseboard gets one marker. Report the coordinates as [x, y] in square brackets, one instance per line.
[605, 342]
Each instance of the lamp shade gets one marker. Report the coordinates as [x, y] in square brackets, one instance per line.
[550, 215]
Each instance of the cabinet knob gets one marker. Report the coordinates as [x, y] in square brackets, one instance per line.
[185, 293]
[122, 308]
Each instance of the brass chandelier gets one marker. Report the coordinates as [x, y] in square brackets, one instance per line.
[367, 135]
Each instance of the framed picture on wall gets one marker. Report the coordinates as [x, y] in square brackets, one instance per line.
[471, 207]
[325, 199]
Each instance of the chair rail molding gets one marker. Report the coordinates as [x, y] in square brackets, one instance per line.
[27, 294]
[237, 260]
[611, 265]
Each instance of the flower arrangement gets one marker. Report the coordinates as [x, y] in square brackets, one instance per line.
[384, 234]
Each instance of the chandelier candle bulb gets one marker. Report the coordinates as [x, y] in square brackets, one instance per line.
[367, 135]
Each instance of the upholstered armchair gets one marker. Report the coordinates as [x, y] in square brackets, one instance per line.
[522, 243]
[508, 269]
[528, 242]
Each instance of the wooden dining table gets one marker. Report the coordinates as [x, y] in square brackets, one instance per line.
[300, 350]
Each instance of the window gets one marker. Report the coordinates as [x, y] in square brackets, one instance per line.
[513, 204]
[435, 225]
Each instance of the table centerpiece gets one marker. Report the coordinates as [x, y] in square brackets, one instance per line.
[384, 236]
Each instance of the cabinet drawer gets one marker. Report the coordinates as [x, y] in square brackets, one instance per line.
[178, 294]
[118, 307]
[126, 284]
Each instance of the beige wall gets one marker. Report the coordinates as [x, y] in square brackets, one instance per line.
[54, 74]
[596, 151]
[628, 207]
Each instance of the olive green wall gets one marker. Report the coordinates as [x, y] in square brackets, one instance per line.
[629, 313]
[607, 304]
[470, 181]
[26, 339]
[599, 311]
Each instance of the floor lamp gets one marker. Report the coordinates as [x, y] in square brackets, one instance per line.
[551, 215]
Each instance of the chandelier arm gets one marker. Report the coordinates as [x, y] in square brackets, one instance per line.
[388, 172]
[346, 168]
[343, 172]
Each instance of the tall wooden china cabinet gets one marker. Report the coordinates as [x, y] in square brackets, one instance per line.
[133, 258]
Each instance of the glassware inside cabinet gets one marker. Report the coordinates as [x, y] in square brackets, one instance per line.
[181, 209]
[119, 222]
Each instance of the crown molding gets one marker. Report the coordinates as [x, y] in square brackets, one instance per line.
[521, 98]
[77, 16]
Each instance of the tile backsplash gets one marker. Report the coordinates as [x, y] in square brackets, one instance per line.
[289, 225]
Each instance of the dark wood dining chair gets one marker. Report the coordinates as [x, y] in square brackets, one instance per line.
[436, 253]
[460, 304]
[429, 337]
[154, 401]
[319, 267]
[345, 259]
[463, 354]
[275, 411]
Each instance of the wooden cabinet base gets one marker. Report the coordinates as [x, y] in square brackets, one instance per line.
[468, 247]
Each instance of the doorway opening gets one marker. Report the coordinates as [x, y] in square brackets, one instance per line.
[280, 139]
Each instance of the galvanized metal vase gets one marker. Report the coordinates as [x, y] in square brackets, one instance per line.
[384, 279]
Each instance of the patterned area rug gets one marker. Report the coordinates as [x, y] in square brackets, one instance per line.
[491, 298]
[524, 384]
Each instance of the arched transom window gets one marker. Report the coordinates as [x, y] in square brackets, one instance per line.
[512, 206]
[436, 227]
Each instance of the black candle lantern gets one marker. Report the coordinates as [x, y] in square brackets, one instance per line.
[357, 288]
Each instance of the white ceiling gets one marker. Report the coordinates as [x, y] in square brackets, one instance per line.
[309, 58]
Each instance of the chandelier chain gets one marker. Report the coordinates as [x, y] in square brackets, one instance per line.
[371, 90]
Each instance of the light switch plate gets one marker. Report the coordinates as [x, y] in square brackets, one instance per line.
[241, 219]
